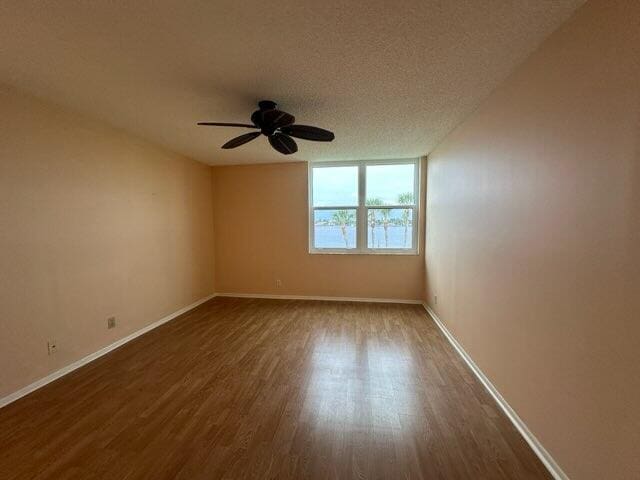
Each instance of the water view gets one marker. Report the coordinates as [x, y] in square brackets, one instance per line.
[331, 236]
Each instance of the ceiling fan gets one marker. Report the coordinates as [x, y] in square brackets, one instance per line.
[278, 126]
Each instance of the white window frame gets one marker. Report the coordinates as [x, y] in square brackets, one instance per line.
[362, 230]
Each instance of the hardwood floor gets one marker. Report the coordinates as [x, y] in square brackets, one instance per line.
[247, 388]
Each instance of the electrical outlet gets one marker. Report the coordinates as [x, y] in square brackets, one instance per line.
[278, 282]
[435, 299]
[111, 322]
[52, 347]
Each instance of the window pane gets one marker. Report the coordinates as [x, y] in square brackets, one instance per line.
[335, 186]
[334, 228]
[390, 228]
[390, 184]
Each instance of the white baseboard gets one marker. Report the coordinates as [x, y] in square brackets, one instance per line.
[314, 297]
[103, 351]
[544, 456]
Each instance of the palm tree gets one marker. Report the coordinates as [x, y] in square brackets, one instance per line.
[385, 212]
[373, 202]
[405, 199]
[344, 219]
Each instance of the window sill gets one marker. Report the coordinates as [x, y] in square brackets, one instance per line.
[367, 252]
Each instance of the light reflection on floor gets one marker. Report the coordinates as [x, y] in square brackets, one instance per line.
[368, 385]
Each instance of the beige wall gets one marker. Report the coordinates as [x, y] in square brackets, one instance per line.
[260, 214]
[93, 223]
[533, 240]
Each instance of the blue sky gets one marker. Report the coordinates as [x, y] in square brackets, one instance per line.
[333, 186]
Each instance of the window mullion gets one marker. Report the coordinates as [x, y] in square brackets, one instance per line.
[361, 227]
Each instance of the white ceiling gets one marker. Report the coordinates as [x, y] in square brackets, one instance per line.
[390, 78]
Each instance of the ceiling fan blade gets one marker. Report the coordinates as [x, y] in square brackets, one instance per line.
[218, 124]
[241, 140]
[308, 132]
[282, 143]
[276, 119]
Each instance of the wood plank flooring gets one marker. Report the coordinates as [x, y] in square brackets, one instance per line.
[270, 389]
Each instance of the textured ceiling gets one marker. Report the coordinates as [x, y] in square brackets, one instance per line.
[390, 78]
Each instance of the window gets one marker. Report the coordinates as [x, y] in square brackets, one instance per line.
[364, 206]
